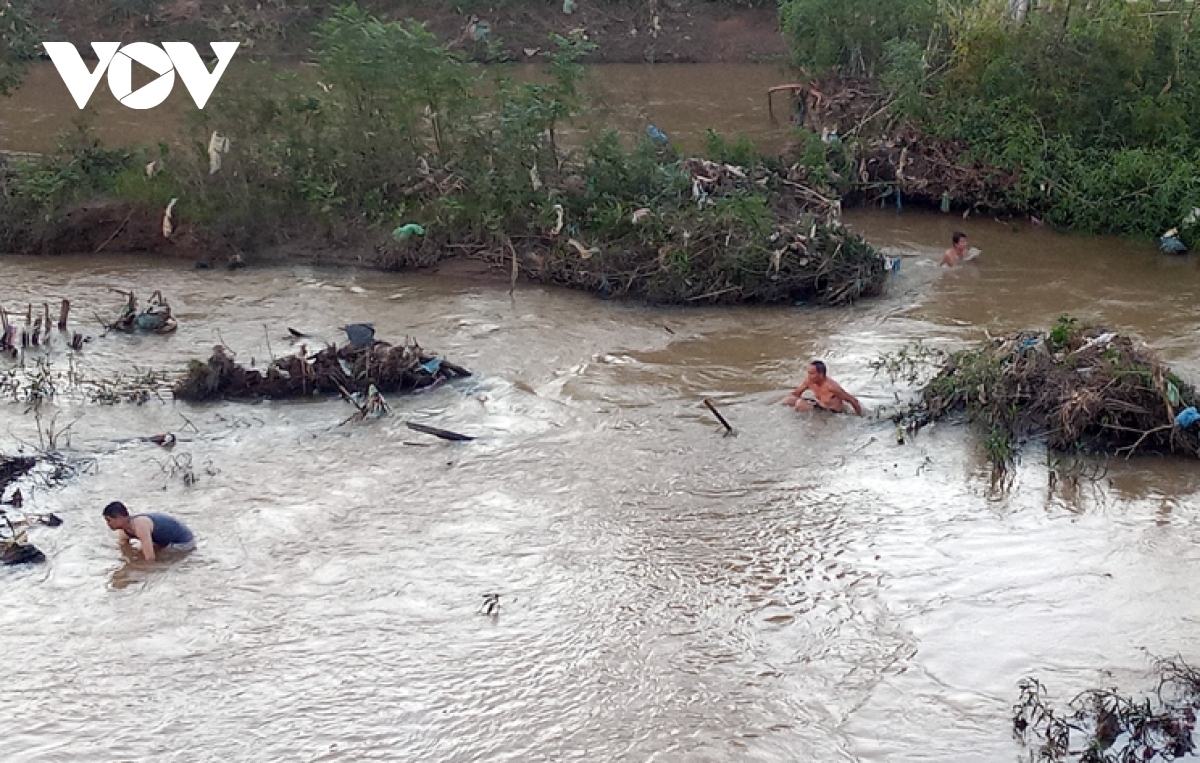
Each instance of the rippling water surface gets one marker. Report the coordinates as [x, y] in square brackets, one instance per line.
[807, 590]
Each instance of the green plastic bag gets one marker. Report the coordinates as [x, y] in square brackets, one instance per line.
[405, 232]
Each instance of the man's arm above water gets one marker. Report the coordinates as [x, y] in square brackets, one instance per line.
[795, 394]
[846, 397]
[143, 528]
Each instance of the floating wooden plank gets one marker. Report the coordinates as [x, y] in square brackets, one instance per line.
[445, 434]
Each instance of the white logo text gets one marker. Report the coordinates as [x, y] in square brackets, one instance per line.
[164, 61]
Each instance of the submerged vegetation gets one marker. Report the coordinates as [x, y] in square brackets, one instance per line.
[1102, 725]
[395, 140]
[1083, 111]
[1078, 389]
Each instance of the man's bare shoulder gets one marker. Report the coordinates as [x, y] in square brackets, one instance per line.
[830, 384]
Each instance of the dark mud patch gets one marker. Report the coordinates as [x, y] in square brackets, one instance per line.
[116, 226]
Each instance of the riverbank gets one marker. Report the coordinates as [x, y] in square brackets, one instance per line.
[1078, 114]
[624, 31]
[619, 225]
[457, 162]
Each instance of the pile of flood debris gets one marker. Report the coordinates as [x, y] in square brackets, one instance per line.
[348, 370]
[156, 317]
[710, 233]
[15, 546]
[911, 164]
[35, 330]
[715, 250]
[891, 159]
[1078, 389]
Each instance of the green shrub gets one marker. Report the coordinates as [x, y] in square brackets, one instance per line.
[852, 34]
[1091, 105]
[19, 37]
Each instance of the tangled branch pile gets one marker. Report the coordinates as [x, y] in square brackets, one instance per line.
[932, 170]
[886, 154]
[346, 370]
[15, 547]
[156, 316]
[736, 234]
[1102, 725]
[1079, 389]
[13, 468]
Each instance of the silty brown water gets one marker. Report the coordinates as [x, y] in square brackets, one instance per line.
[684, 100]
[807, 590]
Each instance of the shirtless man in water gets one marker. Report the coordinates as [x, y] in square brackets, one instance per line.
[957, 251]
[828, 393]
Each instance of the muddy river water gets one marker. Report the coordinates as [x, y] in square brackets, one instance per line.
[805, 591]
[684, 100]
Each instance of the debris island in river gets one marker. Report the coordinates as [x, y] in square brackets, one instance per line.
[1078, 389]
[346, 370]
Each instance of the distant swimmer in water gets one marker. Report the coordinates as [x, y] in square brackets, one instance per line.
[154, 532]
[960, 251]
[828, 393]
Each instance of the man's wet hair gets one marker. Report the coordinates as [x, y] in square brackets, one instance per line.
[116, 509]
[958, 236]
[820, 366]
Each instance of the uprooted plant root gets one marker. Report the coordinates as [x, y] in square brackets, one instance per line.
[156, 317]
[347, 370]
[1103, 725]
[1081, 390]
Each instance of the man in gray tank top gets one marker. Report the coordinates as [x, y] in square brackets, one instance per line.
[154, 532]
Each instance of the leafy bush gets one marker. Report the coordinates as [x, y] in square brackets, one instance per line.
[1091, 104]
[18, 41]
[389, 127]
[852, 34]
[739, 151]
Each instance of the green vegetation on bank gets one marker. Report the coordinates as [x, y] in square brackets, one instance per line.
[1093, 104]
[18, 41]
[392, 139]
